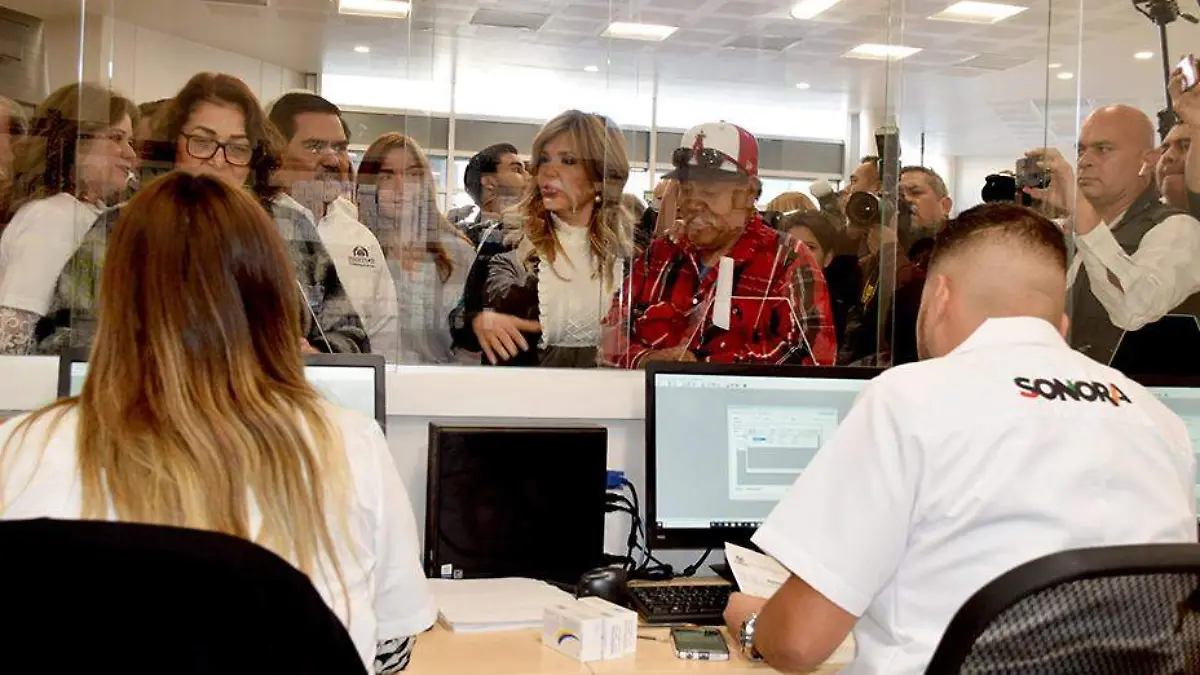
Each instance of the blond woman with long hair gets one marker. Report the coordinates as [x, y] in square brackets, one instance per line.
[538, 297]
[196, 413]
[427, 257]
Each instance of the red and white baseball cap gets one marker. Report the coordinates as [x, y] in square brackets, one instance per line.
[715, 151]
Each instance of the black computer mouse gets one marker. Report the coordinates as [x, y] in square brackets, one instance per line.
[603, 582]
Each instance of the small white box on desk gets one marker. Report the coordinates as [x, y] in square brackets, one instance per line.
[620, 627]
[590, 629]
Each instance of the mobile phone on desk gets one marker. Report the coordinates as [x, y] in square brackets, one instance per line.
[699, 644]
[1187, 65]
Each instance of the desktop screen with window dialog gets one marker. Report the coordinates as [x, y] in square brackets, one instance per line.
[725, 443]
[354, 381]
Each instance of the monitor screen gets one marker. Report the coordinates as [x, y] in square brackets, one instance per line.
[726, 446]
[515, 502]
[350, 381]
[1185, 402]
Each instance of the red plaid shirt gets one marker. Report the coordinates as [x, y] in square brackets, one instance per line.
[779, 309]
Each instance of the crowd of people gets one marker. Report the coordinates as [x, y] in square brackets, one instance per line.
[555, 263]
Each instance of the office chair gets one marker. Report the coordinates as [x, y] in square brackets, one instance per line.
[120, 597]
[1123, 610]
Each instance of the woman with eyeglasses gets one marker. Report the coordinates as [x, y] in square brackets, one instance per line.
[216, 126]
[76, 161]
[538, 297]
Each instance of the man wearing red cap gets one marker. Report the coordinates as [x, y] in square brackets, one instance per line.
[721, 286]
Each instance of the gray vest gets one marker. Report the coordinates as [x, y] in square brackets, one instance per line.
[1091, 330]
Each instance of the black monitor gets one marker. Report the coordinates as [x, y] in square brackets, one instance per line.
[354, 381]
[1182, 395]
[1169, 346]
[724, 443]
[515, 502]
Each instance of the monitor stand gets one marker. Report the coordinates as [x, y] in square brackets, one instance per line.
[722, 570]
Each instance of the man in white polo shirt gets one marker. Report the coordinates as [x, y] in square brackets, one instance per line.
[1004, 445]
[316, 174]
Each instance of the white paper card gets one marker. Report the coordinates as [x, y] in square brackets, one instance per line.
[757, 575]
[723, 305]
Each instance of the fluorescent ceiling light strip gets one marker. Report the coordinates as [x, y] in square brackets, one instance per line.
[807, 9]
[881, 52]
[970, 11]
[388, 9]
[639, 31]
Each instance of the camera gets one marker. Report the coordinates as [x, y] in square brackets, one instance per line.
[1030, 175]
[1002, 188]
[1010, 187]
[865, 209]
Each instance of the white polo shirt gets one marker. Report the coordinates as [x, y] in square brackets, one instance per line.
[389, 596]
[949, 472]
[363, 271]
[36, 245]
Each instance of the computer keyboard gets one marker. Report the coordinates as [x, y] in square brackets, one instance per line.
[699, 603]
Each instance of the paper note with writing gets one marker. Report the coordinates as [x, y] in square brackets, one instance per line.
[757, 575]
[723, 305]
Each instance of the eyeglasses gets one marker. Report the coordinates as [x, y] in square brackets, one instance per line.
[707, 158]
[237, 153]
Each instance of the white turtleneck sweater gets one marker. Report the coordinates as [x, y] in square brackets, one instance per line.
[572, 295]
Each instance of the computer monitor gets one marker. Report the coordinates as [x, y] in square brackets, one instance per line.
[725, 443]
[515, 502]
[1182, 396]
[353, 381]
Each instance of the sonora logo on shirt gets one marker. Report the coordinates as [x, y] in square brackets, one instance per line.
[361, 257]
[1061, 390]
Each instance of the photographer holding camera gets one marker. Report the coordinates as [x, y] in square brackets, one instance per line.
[1137, 257]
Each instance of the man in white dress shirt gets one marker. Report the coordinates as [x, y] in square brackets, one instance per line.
[1137, 257]
[316, 175]
[1003, 446]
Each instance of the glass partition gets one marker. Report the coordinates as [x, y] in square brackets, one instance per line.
[457, 208]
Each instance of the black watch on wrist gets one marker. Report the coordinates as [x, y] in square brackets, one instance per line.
[746, 639]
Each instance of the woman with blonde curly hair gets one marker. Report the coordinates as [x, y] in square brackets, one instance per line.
[538, 296]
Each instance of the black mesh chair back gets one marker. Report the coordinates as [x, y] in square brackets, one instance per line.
[103, 597]
[1125, 610]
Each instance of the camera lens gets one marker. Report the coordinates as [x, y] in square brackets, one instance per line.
[862, 209]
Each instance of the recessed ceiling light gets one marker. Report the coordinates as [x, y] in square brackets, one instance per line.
[648, 32]
[876, 52]
[803, 85]
[978, 12]
[362, 49]
[1143, 56]
[1054, 66]
[591, 69]
[385, 9]
[807, 9]
[1065, 76]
